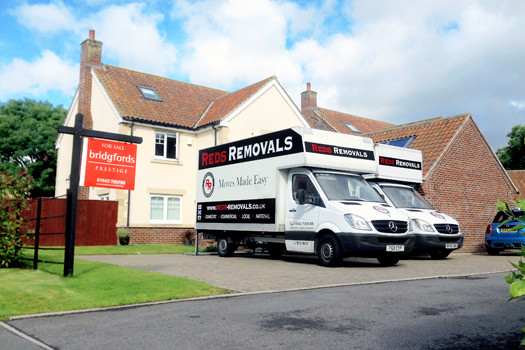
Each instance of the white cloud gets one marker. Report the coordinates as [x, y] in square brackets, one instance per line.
[518, 104]
[132, 39]
[45, 18]
[46, 73]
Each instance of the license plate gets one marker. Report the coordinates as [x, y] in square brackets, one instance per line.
[395, 248]
[451, 246]
[505, 230]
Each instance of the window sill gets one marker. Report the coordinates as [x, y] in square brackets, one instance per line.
[166, 161]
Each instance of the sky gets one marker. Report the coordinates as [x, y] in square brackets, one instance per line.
[395, 61]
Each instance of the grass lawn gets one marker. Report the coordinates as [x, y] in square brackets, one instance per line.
[94, 284]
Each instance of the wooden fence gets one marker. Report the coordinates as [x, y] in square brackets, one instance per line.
[96, 222]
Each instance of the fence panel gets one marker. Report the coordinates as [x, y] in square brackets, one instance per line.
[96, 222]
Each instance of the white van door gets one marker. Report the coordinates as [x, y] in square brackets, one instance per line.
[303, 203]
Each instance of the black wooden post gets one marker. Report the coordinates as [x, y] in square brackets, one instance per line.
[74, 180]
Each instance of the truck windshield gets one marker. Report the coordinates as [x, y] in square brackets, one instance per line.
[340, 187]
[403, 197]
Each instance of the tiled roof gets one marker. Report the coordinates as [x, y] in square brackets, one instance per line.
[182, 104]
[337, 122]
[518, 177]
[225, 104]
[432, 136]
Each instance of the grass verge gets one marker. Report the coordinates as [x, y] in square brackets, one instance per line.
[26, 291]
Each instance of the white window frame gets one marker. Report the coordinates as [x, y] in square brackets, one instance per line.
[104, 197]
[165, 136]
[164, 219]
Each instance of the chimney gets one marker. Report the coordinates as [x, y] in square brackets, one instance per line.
[308, 99]
[90, 56]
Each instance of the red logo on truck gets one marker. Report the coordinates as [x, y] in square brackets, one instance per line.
[208, 185]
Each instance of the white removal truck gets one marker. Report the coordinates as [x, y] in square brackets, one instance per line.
[398, 170]
[298, 190]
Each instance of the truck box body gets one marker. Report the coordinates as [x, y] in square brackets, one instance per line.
[399, 169]
[245, 192]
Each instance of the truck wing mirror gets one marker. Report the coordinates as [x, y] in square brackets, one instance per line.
[300, 196]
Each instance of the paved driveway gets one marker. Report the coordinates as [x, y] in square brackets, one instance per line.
[259, 273]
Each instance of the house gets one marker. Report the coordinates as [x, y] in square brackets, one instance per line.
[461, 174]
[175, 120]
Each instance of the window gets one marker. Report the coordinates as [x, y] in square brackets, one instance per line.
[352, 127]
[303, 191]
[104, 197]
[149, 93]
[402, 142]
[165, 209]
[165, 145]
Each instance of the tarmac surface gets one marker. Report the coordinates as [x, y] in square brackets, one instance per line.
[258, 273]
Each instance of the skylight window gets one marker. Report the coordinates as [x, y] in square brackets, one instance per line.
[149, 93]
[352, 127]
[402, 142]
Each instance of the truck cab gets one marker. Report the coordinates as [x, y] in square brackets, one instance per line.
[337, 214]
[436, 233]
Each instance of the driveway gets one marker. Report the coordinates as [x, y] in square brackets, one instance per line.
[259, 273]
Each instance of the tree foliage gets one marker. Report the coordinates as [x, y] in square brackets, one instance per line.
[512, 156]
[14, 190]
[28, 131]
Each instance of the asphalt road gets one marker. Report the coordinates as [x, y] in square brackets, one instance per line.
[440, 313]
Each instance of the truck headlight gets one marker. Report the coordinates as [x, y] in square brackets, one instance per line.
[357, 222]
[423, 225]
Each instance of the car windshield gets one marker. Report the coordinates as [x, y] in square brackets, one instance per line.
[403, 197]
[341, 187]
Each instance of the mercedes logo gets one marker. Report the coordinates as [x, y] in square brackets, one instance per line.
[449, 229]
[392, 226]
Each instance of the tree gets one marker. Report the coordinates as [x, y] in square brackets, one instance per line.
[28, 131]
[513, 156]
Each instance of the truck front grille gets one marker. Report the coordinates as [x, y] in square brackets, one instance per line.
[447, 228]
[390, 226]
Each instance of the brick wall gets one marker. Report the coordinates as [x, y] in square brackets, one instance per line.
[467, 183]
[165, 235]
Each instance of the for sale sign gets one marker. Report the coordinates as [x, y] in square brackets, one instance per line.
[108, 164]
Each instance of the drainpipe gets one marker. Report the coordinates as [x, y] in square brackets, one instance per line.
[129, 191]
[214, 126]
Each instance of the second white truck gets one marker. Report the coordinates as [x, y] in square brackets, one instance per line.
[298, 190]
[398, 171]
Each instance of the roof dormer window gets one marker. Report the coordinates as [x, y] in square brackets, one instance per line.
[352, 127]
[149, 93]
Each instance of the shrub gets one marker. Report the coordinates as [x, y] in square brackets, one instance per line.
[14, 192]
[516, 279]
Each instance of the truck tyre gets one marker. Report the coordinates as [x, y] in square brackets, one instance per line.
[225, 246]
[329, 251]
[440, 254]
[388, 260]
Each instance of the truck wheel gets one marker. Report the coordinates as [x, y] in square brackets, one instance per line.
[329, 251]
[225, 246]
[388, 260]
[439, 255]
[275, 250]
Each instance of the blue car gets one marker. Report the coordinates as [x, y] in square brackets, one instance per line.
[498, 238]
